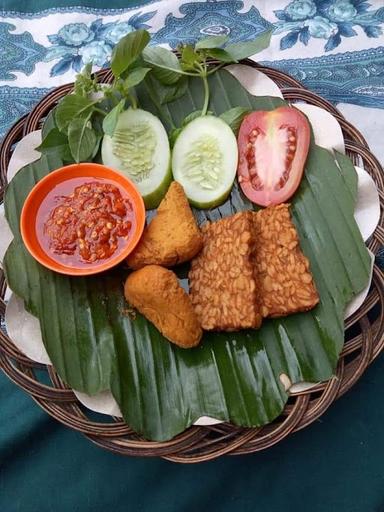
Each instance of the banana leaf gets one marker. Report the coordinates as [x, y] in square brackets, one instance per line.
[161, 389]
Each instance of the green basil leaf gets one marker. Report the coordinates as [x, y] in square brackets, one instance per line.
[112, 96]
[97, 123]
[71, 106]
[96, 148]
[110, 120]
[55, 143]
[82, 139]
[136, 76]
[220, 54]
[127, 50]
[166, 66]
[189, 57]
[163, 93]
[84, 83]
[234, 117]
[138, 63]
[49, 123]
[240, 51]
[211, 42]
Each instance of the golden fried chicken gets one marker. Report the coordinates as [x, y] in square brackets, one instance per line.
[157, 294]
[173, 235]
[223, 286]
[285, 281]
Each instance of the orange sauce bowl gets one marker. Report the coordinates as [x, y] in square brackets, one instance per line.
[83, 173]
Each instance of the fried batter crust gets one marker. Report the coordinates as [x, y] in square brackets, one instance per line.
[223, 287]
[286, 283]
[251, 266]
[157, 294]
[172, 237]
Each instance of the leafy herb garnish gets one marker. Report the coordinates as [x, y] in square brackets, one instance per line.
[194, 60]
[82, 117]
[75, 128]
[82, 139]
[128, 50]
[85, 82]
[56, 143]
[110, 120]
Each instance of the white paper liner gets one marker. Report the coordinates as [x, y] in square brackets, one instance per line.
[256, 82]
[326, 129]
[103, 403]
[7, 294]
[366, 215]
[299, 387]
[204, 421]
[367, 209]
[353, 306]
[24, 330]
[6, 235]
[24, 153]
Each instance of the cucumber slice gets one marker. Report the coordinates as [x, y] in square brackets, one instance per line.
[140, 149]
[204, 161]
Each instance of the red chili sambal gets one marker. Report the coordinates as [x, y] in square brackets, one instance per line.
[85, 222]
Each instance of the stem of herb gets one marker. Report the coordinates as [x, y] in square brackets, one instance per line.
[216, 68]
[133, 101]
[181, 72]
[206, 93]
[100, 111]
[199, 67]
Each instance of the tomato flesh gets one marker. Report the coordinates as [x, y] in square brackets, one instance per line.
[273, 148]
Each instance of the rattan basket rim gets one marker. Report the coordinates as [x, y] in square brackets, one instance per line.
[199, 444]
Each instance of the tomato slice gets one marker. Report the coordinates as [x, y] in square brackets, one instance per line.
[273, 148]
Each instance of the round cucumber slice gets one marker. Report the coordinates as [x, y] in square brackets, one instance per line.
[204, 161]
[140, 149]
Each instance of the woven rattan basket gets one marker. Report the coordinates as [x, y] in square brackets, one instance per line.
[364, 337]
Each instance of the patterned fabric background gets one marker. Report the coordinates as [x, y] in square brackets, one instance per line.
[335, 47]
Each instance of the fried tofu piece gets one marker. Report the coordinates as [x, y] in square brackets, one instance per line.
[223, 288]
[286, 284]
[157, 294]
[172, 236]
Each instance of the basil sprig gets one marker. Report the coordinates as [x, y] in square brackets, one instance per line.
[80, 120]
[194, 59]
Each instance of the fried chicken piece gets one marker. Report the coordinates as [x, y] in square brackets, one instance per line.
[223, 287]
[157, 294]
[173, 235]
[286, 283]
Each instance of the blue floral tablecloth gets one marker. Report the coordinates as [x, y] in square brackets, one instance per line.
[336, 49]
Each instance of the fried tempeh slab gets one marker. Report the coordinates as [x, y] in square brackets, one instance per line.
[157, 294]
[222, 284]
[286, 283]
[172, 236]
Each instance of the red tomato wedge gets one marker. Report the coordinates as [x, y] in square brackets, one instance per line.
[273, 148]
